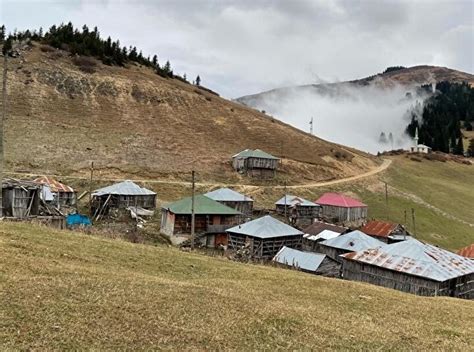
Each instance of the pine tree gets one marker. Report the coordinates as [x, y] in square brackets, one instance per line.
[198, 80]
[459, 150]
[2, 34]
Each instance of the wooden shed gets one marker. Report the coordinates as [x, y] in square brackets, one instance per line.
[302, 212]
[310, 262]
[255, 163]
[264, 237]
[386, 231]
[20, 199]
[122, 196]
[414, 267]
[233, 199]
[212, 219]
[63, 195]
[350, 242]
[341, 209]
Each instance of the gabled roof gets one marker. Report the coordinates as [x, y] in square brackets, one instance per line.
[202, 206]
[318, 226]
[416, 258]
[295, 200]
[54, 185]
[125, 188]
[257, 153]
[227, 195]
[323, 235]
[339, 200]
[379, 228]
[467, 252]
[265, 227]
[353, 241]
[309, 261]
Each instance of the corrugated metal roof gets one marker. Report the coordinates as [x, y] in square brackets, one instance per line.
[353, 241]
[227, 195]
[125, 188]
[295, 200]
[323, 235]
[416, 258]
[467, 252]
[379, 228]
[303, 260]
[257, 153]
[202, 206]
[54, 185]
[339, 200]
[318, 226]
[265, 227]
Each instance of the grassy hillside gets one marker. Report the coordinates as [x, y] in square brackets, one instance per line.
[133, 123]
[65, 290]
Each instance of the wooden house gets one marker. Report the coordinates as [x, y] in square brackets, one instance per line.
[255, 163]
[233, 199]
[414, 267]
[302, 212]
[339, 208]
[264, 237]
[385, 231]
[20, 199]
[212, 219]
[349, 242]
[62, 195]
[123, 195]
[310, 262]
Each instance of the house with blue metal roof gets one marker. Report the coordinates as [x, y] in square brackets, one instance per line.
[412, 266]
[233, 199]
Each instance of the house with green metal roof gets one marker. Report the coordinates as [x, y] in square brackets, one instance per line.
[255, 163]
[211, 219]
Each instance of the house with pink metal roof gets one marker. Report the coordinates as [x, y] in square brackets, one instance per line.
[339, 208]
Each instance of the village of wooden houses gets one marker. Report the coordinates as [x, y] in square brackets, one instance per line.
[330, 236]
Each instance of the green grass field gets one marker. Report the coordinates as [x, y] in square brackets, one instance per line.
[65, 290]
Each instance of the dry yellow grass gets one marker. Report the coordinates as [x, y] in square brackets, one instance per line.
[133, 123]
[65, 290]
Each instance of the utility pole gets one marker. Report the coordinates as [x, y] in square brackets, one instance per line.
[386, 200]
[4, 117]
[192, 212]
[90, 189]
[285, 200]
[413, 219]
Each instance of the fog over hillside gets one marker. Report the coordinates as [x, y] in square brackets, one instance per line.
[347, 114]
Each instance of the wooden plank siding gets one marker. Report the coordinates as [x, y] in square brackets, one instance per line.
[265, 248]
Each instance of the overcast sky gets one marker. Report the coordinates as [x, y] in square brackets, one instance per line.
[242, 47]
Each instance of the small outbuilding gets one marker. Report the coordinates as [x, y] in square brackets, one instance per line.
[212, 219]
[255, 163]
[414, 267]
[123, 195]
[385, 231]
[467, 252]
[420, 148]
[264, 237]
[20, 198]
[299, 210]
[309, 262]
[62, 195]
[342, 209]
[233, 199]
[350, 242]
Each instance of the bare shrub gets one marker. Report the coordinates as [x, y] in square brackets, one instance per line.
[47, 48]
[85, 63]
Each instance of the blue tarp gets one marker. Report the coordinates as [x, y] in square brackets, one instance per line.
[75, 220]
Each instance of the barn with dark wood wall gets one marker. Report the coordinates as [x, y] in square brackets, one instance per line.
[255, 163]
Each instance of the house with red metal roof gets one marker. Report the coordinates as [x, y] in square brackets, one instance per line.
[467, 252]
[385, 231]
[339, 208]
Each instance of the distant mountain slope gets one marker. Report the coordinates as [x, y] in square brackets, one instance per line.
[130, 121]
[412, 76]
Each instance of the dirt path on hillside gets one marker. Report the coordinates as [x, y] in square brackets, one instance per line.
[386, 163]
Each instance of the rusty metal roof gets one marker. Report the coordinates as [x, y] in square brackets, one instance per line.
[416, 258]
[54, 185]
[467, 252]
[379, 228]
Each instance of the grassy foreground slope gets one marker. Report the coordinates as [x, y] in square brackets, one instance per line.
[64, 290]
